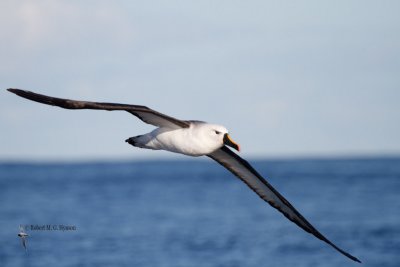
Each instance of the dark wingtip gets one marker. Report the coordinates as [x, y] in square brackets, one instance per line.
[38, 97]
[16, 91]
[350, 256]
[357, 260]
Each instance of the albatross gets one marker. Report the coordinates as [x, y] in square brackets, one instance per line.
[193, 138]
[23, 236]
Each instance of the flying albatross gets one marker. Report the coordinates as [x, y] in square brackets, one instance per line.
[23, 236]
[193, 138]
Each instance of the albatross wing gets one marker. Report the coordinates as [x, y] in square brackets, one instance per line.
[144, 113]
[23, 239]
[245, 172]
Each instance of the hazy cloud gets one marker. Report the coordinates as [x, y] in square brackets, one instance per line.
[287, 78]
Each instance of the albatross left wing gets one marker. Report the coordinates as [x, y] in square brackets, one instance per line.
[144, 113]
[245, 172]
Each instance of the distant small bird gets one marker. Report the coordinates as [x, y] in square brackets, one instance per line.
[23, 236]
[193, 138]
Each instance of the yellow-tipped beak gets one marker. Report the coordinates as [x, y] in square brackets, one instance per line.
[229, 142]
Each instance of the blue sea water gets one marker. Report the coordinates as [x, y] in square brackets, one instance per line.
[195, 213]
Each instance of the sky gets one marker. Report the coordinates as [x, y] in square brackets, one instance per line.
[287, 78]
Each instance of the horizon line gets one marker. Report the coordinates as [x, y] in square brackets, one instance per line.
[93, 160]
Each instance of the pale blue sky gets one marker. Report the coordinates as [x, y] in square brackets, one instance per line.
[287, 78]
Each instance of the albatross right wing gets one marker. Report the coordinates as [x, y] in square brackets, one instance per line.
[144, 113]
[23, 239]
[245, 172]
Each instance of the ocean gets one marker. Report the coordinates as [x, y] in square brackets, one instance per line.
[196, 213]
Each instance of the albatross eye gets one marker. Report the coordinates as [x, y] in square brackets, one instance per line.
[217, 132]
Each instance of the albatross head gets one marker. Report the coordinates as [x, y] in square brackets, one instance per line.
[219, 134]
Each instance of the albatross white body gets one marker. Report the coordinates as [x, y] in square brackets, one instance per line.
[193, 138]
[198, 139]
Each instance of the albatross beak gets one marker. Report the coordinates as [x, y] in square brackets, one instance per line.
[229, 142]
